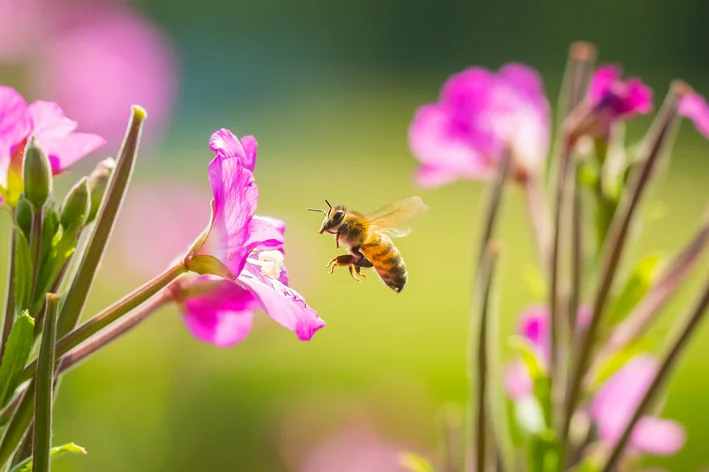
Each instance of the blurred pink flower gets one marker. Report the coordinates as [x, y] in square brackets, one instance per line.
[610, 100]
[616, 401]
[623, 99]
[95, 58]
[355, 449]
[47, 123]
[694, 107]
[533, 325]
[252, 248]
[478, 115]
[169, 213]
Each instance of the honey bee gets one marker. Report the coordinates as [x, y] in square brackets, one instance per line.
[368, 238]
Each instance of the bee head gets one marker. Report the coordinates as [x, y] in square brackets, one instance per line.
[334, 217]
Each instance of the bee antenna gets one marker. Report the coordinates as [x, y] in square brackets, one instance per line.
[328, 204]
[319, 211]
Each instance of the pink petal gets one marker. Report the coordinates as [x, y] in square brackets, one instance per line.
[15, 125]
[49, 122]
[263, 235]
[658, 437]
[283, 304]
[223, 317]
[235, 196]
[280, 225]
[250, 150]
[603, 80]
[533, 324]
[66, 151]
[694, 107]
[616, 400]
[516, 380]
[104, 57]
[445, 155]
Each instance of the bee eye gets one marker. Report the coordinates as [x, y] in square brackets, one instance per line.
[339, 214]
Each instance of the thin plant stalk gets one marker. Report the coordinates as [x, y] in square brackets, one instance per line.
[482, 394]
[112, 313]
[491, 218]
[43, 395]
[667, 362]
[36, 247]
[9, 319]
[617, 237]
[640, 319]
[539, 219]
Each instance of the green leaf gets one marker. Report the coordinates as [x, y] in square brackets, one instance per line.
[414, 462]
[536, 371]
[23, 271]
[17, 351]
[66, 449]
[639, 282]
[63, 246]
[44, 381]
[50, 226]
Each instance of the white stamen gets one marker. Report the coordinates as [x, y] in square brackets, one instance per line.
[271, 263]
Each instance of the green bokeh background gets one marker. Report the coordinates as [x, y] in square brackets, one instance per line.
[329, 89]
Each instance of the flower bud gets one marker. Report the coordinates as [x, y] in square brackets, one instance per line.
[76, 206]
[36, 174]
[98, 181]
[23, 215]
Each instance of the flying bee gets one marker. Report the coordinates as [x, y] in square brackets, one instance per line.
[368, 238]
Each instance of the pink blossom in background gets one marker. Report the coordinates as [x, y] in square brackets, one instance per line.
[616, 401]
[94, 58]
[356, 448]
[478, 115]
[252, 248]
[158, 221]
[533, 324]
[622, 98]
[47, 123]
[694, 107]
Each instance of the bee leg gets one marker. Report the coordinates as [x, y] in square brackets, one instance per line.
[361, 274]
[359, 258]
[340, 230]
[353, 269]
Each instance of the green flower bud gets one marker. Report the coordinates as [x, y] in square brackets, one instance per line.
[76, 206]
[36, 174]
[98, 181]
[23, 216]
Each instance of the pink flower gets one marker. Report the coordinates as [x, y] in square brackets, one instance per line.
[616, 401]
[622, 98]
[101, 58]
[694, 107]
[251, 247]
[610, 100]
[533, 325]
[47, 123]
[478, 115]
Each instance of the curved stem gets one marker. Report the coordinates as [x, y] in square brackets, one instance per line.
[112, 313]
[10, 296]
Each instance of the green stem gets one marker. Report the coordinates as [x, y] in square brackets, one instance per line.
[43, 396]
[656, 141]
[668, 361]
[76, 296]
[9, 319]
[111, 314]
[477, 383]
[36, 249]
[18, 425]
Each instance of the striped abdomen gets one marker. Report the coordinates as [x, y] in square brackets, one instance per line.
[386, 259]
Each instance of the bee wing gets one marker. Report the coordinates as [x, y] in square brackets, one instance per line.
[393, 219]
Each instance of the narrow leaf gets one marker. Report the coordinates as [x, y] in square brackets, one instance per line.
[639, 282]
[17, 351]
[44, 381]
[414, 462]
[81, 285]
[23, 271]
[66, 449]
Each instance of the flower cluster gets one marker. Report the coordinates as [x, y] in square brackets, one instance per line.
[580, 388]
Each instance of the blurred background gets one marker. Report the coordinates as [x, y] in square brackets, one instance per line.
[328, 89]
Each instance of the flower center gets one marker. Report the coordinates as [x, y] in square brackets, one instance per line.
[270, 262]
